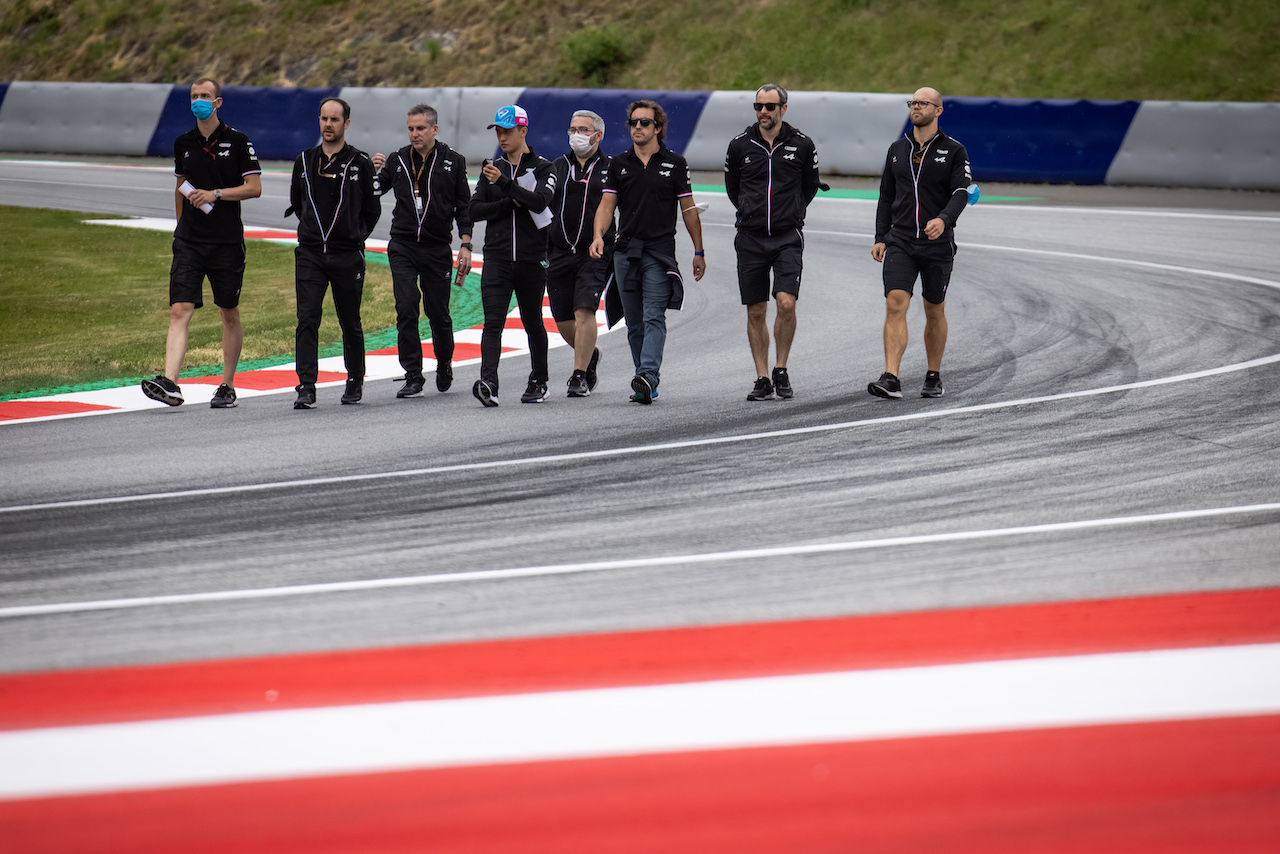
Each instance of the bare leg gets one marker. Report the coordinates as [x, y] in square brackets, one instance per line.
[758, 336]
[568, 331]
[895, 329]
[232, 342]
[935, 333]
[784, 328]
[585, 339]
[175, 348]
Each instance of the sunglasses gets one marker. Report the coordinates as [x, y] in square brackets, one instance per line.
[922, 104]
[769, 107]
[643, 123]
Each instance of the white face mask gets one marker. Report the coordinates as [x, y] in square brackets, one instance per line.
[580, 143]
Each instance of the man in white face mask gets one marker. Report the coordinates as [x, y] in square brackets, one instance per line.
[575, 280]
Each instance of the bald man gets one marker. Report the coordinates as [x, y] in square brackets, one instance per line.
[922, 193]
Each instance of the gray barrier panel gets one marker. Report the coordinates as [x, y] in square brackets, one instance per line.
[475, 114]
[1201, 144]
[378, 115]
[81, 118]
[852, 130]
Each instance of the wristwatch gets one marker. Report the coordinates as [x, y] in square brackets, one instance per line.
[466, 246]
[217, 194]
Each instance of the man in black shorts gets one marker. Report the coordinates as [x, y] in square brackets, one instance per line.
[334, 195]
[575, 280]
[216, 168]
[771, 176]
[429, 180]
[922, 193]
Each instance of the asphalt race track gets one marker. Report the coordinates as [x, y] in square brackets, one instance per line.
[1108, 430]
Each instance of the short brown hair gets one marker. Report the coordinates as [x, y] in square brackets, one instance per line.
[217, 89]
[659, 114]
[346, 108]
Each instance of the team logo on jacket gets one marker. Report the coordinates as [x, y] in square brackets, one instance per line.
[666, 174]
[252, 153]
[939, 160]
[669, 165]
[224, 153]
[788, 157]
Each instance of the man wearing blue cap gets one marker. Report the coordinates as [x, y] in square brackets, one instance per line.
[511, 197]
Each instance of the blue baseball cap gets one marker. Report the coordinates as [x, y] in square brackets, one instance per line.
[510, 116]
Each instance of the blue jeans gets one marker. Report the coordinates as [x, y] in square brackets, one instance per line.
[646, 313]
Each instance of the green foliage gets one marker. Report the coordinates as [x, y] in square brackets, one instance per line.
[1127, 49]
[597, 55]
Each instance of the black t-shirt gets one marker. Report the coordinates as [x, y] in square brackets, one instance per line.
[648, 196]
[220, 162]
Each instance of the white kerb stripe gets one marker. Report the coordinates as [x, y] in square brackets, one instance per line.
[774, 711]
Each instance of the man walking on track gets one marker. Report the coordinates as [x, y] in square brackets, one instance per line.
[575, 280]
[922, 194]
[771, 176]
[216, 168]
[429, 180]
[335, 196]
[647, 184]
[509, 195]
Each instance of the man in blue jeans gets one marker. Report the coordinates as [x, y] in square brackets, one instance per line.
[646, 184]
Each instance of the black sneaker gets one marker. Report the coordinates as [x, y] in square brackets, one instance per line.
[444, 377]
[592, 376]
[223, 398]
[412, 387]
[762, 391]
[886, 386]
[163, 389]
[354, 391]
[932, 385]
[485, 393]
[306, 397]
[535, 392]
[644, 392]
[782, 384]
[578, 385]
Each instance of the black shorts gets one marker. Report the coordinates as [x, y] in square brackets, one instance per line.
[575, 281]
[932, 262]
[760, 253]
[223, 263]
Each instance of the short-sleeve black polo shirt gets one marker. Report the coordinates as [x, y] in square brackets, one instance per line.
[648, 196]
[219, 162]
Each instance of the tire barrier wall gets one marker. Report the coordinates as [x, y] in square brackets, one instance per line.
[1157, 143]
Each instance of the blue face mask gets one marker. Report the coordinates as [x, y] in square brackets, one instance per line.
[201, 108]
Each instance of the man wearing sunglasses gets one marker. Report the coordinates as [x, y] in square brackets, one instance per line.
[922, 193]
[575, 280]
[771, 176]
[646, 184]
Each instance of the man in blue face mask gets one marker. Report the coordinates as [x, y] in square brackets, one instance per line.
[216, 169]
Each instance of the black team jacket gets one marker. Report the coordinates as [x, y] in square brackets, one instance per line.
[442, 183]
[509, 233]
[912, 193]
[771, 187]
[336, 199]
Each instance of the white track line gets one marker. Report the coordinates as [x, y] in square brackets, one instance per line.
[636, 449]
[630, 563]
[997, 696]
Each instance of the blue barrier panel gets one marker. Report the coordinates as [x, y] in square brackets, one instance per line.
[4, 87]
[1038, 141]
[280, 121]
[550, 111]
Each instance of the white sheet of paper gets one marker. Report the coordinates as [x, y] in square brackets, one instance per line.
[529, 182]
[187, 189]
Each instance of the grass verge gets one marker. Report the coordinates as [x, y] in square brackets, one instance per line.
[85, 305]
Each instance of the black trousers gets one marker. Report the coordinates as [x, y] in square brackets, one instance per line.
[314, 271]
[421, 273]
[528, 281]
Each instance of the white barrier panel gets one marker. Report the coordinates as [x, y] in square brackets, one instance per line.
[378, 116]
[81, 118]
[852, 130]
[1201, 144]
